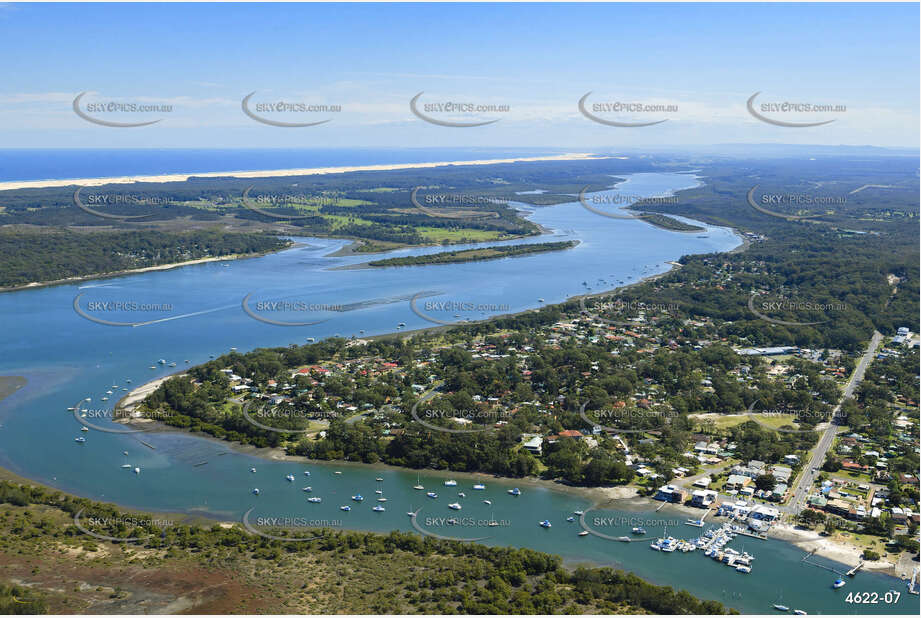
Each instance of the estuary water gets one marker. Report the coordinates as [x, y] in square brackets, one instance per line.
[194, 312]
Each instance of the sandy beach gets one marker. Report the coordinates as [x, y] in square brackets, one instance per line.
[812, 541]
[121, 180]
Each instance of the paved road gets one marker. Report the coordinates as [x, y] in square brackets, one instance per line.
[807, 477]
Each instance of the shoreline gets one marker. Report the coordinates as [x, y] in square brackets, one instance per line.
[312, 171]
[134, 271]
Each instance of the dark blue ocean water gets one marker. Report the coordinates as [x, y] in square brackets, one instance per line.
[46, 164]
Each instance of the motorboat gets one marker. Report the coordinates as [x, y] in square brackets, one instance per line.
[781, 608]
[432, 494]
[256, 491]
[253, 470]
[455, 506]
[479, 486]
[545, 524]
[345, 508]
[306, 472]
[839, 583]
[487, 501]
[289, 477]
[451, 483]
[461, 494]
[578, 513]
[308, 489]
[514, 492]
[799, 612]
[584, 533]
[639, 530]
[379, 479]
[378, 509]
[570, 518]
[137, 470]
[81, 439]
[315, 500]
[358, 497]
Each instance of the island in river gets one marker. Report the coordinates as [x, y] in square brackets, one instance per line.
[475, 255]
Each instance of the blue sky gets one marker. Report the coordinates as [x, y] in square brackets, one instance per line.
[700, 63]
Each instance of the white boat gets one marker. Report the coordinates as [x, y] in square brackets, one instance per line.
[253, 470]
[743, 569]
[583, 533]
[345, 508]
[432, 494]
[378, 491]
[379, 480]
[84, 429]
[451, 483]
[126, 466]
[315, 500]
[289, 477]
[378, 509]
[418, 487]
[455, 506]
[781, 608]
[81, 439]
[578, 513]
[570, 518]
[382, 499]
[545, 524]
[839, 583]
[358, 497]
[308, 489]
[105, 398]
[137, 470]
[461, 494]
[256, 491]
[306, 472]
[479, 486]
[337, 472]
[514, 492]
[799, 612]
[487, 501]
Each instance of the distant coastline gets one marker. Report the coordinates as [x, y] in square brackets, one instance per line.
[118, 180]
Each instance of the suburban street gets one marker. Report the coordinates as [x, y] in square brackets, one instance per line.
[807, 476]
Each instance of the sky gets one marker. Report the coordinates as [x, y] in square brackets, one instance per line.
[696, 65]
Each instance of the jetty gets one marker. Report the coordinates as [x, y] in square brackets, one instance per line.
[853, 571]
